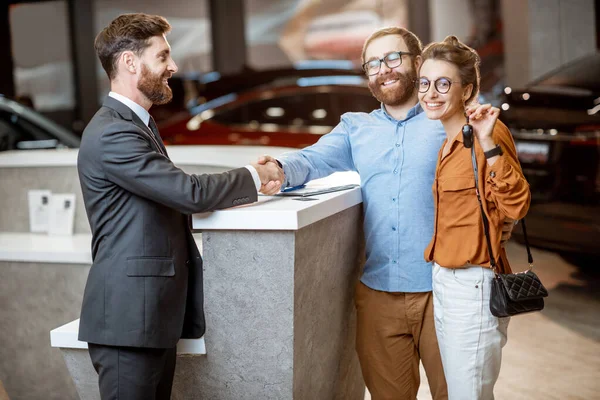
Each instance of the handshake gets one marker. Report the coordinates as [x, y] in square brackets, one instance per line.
[270, 174]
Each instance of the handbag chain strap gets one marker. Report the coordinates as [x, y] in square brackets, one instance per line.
[486, 224]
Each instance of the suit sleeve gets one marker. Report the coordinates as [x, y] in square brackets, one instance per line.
[505, 184]
[129, 161]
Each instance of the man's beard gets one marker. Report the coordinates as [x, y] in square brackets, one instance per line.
[152, 86]
[403, 91]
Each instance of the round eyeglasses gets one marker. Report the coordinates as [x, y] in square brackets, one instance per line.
[392, 60]
[442, 85]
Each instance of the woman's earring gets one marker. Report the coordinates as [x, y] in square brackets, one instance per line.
[467, 131]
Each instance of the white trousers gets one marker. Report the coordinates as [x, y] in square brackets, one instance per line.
[470, 337]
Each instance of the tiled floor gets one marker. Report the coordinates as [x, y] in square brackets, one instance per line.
[554, 354]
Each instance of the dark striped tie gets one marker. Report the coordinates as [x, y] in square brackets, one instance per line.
[157, 138]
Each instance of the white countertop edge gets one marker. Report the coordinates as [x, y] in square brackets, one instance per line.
[260, 217]
[65, 337]
[259, 220]
[43, 248]
[323, 210]
[46, 257]
[214, 156]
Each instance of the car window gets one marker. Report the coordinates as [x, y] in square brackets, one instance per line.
[351, 102]
[18, 133]
[10, 133]
[304, 109]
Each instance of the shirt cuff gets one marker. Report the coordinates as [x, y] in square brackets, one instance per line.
[497, 174]
[285, 182]
[255, 176]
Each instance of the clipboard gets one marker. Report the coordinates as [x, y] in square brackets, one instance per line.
[307, 192]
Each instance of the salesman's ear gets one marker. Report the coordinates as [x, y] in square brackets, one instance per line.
[129, 61]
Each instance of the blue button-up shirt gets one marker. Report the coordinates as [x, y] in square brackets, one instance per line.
[396, 161]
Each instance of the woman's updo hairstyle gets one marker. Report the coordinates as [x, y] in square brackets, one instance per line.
[455, 52]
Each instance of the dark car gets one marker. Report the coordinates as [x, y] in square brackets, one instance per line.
[556, 125]
[22, 128]
[288, 112]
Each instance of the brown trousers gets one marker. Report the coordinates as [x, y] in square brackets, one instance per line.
[395, 331]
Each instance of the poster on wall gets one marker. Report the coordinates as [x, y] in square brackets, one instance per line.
[337, 29]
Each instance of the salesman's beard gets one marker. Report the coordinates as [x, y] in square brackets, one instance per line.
[152, 86]
[404, 90]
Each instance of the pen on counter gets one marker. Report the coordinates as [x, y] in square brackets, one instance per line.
[289, 189]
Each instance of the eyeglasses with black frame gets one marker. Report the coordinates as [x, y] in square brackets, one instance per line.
[392, 60]
[442, 85]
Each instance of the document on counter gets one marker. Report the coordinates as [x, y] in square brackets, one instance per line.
[303, 191]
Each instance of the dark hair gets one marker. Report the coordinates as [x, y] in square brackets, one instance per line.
[412, 41]
[455, 52]
[127, 32]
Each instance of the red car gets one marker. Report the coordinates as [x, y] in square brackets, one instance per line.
[287, 112]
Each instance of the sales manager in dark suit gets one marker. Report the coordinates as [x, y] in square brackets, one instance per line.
[144, 290]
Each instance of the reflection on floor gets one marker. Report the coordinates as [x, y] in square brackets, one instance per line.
[554, 354]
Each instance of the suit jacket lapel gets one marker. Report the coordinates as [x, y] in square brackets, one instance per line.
[127, 114]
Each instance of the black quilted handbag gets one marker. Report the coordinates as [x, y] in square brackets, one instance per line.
[511, 294]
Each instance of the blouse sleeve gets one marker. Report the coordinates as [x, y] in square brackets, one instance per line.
[506, 185]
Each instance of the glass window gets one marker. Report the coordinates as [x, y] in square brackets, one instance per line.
[43, 67]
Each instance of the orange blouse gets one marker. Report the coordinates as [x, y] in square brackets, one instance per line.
[458, 237]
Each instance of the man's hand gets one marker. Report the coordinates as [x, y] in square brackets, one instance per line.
[271, 176]
[267, 158]
[507, 228]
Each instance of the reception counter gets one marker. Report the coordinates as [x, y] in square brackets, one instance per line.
[42, 277]
[279, 281]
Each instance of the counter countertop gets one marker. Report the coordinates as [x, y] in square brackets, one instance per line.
[40, 247]
[285, 213]
[66, 337]
[218, 156]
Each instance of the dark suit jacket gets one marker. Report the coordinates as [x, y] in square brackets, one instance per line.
[145, 285]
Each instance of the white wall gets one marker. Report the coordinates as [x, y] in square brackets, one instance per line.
[542, 35]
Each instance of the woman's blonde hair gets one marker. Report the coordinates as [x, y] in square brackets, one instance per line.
[456, 52]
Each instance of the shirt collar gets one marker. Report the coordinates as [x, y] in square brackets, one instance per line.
[135, 107]
[416, 110]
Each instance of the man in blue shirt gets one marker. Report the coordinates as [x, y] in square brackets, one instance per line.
[394, 149]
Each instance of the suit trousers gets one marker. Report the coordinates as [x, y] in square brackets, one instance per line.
[470, 337]
[133, 373]
[394, 332]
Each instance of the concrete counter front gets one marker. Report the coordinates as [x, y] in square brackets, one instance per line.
[279, 283]
[279, 279]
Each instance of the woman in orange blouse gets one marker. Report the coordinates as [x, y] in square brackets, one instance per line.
[469, 336]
